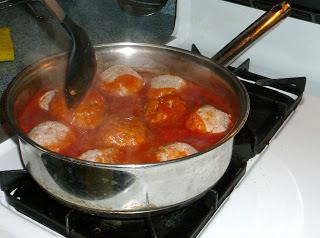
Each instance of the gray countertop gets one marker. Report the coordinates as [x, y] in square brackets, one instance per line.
[35, 38]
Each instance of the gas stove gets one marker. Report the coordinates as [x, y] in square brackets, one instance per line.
[274, 193]
[269, 110]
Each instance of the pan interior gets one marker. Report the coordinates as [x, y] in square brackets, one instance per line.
[51, 71]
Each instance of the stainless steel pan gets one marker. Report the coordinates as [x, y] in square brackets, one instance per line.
[137, 188]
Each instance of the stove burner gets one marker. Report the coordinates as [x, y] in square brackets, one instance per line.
[28, 198]
[269, 110]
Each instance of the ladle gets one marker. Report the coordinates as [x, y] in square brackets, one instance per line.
[82, 62]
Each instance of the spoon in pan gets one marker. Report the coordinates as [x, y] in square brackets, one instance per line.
[82, 62]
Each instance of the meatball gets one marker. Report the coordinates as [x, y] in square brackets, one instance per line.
[46, 99]
[165, 111]
[167, 81]
[208, 119]
[174, 151]
[52, 135]
[165, 85]
[105, 155]
[120, 80]
[123, 132]
[87, 115]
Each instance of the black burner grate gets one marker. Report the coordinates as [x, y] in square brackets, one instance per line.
[269, 110]
[28, 198]
[269, 107]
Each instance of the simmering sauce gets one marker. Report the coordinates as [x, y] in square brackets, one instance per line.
[133, 127]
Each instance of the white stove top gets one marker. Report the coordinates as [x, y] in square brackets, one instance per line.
[278, 196]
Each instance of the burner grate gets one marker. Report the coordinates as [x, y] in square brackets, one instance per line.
[269, 107]
[28, 198]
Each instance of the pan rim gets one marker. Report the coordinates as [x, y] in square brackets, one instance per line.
[236, 128]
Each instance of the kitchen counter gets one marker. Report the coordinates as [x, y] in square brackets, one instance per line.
[37, 35]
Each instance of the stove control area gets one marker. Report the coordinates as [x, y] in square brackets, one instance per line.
[308, 10]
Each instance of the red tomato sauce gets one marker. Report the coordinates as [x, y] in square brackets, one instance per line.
[129, 109]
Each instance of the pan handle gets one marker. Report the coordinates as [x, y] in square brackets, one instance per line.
[250, 35]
